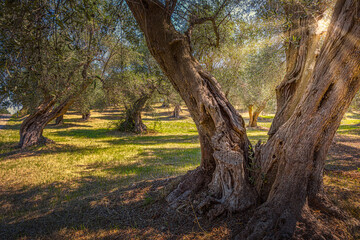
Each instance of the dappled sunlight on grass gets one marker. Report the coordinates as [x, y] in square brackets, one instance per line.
[91, 161]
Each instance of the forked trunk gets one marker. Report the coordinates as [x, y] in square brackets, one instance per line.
[301, 52]
[253, 120]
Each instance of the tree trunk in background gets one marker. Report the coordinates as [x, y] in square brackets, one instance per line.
[59, 120]
[250, 108]
[288, 168]
[254, 116]
[176, 112]
[133, 121]
[85, 116]
[166, 103]
[32, 127]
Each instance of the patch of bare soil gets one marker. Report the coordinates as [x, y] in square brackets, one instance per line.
[140, 211]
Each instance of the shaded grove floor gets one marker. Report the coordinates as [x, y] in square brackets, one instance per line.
[96, 183]
[139, 211]
[3, 119]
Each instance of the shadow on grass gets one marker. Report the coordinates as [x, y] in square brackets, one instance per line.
[67, 125]
[120, 200]
[166, 119]
[52, 148]
[349, 129]
[354, 116]
[344, 157]
[109, 117]
[13, 126]
[84, 133]
[152, 140]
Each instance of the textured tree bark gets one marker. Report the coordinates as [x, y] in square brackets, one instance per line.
[250, 110]
[301, 45]
[133, 121]
[292, 161]
[31, 129]
[221, 129]
[59, 120]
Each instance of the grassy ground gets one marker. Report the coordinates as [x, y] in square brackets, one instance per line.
[95, 182]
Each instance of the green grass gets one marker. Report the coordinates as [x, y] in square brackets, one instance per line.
[89, 159]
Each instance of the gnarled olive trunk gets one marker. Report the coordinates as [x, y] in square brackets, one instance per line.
[302, 42]
[176, 112]
[133, 121]
[32, 127]
[221, 129]
[292, 161]
[253, 116]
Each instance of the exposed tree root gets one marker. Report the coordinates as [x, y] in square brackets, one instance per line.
[270, 222]
[190, 184]
[36, 142]
[321, 202]
[195, 187]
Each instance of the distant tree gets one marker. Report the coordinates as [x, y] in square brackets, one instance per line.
[263, 70]
[132, 79]
[355, 104]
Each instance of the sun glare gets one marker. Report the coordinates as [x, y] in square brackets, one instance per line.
[323, 25]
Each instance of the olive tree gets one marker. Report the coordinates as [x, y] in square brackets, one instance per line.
[284, 176]
[49, 49]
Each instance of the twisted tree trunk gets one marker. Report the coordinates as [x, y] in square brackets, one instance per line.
[287, 170]
[254, 116]
[292, 161]
[221, 129]
[133, 121]
[302, 42]
[31, 129]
